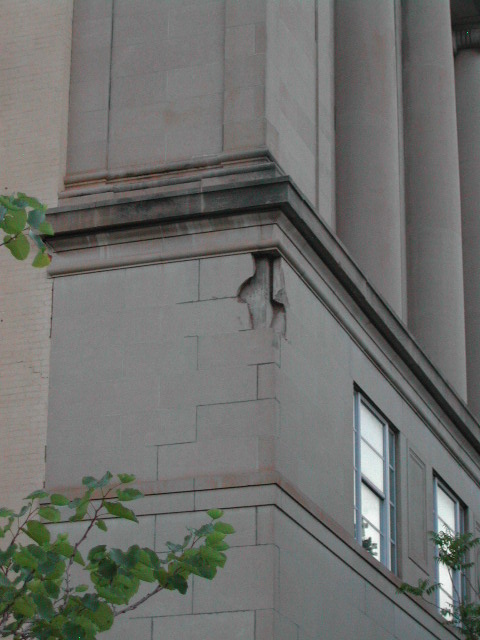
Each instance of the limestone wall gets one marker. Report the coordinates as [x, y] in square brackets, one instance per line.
[34, 76]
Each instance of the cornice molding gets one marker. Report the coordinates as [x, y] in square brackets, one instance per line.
[119, 232]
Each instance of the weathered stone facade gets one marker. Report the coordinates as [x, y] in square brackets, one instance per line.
[261, 215]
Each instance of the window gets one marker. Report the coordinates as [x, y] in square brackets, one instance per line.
[374, 471]
[449, 516]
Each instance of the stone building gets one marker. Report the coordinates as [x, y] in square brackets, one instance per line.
[265, 292]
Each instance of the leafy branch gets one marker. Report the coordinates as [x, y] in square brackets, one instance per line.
[38, 596]
[464, 610]
[23, 217]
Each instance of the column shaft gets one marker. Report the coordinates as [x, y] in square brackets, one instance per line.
[434, 243]
[367, 162]
[467, 79]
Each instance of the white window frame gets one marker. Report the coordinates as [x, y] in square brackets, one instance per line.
[388, 525]
[459, 528]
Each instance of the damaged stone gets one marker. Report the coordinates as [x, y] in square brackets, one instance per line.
[265, 295]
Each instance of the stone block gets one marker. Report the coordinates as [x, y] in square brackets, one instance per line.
[170, 426]
[190, 143]
[240, 135]
[86, 126]
[208, 387]
[215, 626]
[264, 624]
[160, 358]
[161, 284]
[172, 527]
[192, 81]
[142, 27]
[240, 41]
[136, 121]
[222, 277]
[91, 446]
[189, 20]
[140, 90]
[92, 9]
[237, 419]
[128, 628]
[136, 59]
[266, 525]
[135, 150]
[244, 104]
[94, 95]
[285, 629]
[244, 12]
[208, 458]
[237, 497]
[85, 294]
[237, 349]
[89, 156]
[246, 582]
[379, 608]
[266, 380]
[247, 71]
[189, 319]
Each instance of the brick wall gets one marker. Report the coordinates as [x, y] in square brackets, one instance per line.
[35, 38]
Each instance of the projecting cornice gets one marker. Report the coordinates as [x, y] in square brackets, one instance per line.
[266, 215]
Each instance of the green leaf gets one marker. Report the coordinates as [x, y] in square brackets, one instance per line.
[90, 482]
[44, 606]
[117, 509]
[105, 480]
[78, 558]
[224, 527]
[91, 601]
[41, 260]
[4, 581]
[27, 201]
[215, 514]
[212, 539]
[126, 478]
[5, 513]
[59, 500]
[102, 617]
[73, 631]
[101, 525]
[80, 512]
[52, 514]
[46, 229]
[81, 588]
[129, 494]
[35, 218]
[15, 221]
[19, 247]
[24, 607]
[64, 548]
[96, 553]
[154, 562]
[39, 494]
[37, 531]
[177, 583]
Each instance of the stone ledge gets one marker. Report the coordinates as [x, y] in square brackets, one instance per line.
[81, 228]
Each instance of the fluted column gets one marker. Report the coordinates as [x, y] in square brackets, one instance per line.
[467, 77]
[434, 241]
[367, 151]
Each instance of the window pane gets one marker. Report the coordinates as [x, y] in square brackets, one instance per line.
[370, 539]
[372, 465]
[445, 510]
[444, 602]
[371, 429]
[445, 580]
[371, 505]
